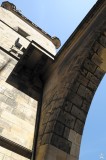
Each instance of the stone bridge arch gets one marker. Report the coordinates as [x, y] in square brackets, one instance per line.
[69, 86]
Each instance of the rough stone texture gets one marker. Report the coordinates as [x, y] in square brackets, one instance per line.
[14, 21]
[69, 85]
[8, 155]
[17, 110]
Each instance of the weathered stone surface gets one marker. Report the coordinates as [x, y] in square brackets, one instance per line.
[66, 119]
[75, 99]
[75, 150]
[96, 59]
[85, 93]
[90, 66]
[78, 113]
[68, 88]
[74, 78]
[97, 47]
[61, 143]
[102, 40]
[17, 116]
[71, 157]
[75, 87]
[74, 137]
[11, 102]
[54, 114]
[84, 81]
[66, 132]
[79, 126]
[99, 73]
[59, 128]
[3, 98]
[67, 106]
[46, 139]
[1, 156]
[50, 126]
[1, 130]
[8, 155]
[85, 106]
[92, 86]
[92, 78]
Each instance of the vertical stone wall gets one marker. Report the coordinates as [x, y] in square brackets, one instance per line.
[8, 37]
[17, 110]
[8, 155]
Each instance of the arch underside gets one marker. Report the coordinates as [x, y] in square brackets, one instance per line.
[69, 87]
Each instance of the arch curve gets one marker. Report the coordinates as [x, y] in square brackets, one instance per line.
[69, 87]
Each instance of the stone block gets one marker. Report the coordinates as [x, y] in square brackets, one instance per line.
[84, 81]
[67, 106]
[46, 139]
[93, 78]
[59, 128]
[3, 98]
[66, 132]
[85, 93]
[97, 47]
[19, 114]
[102, 40]
[67, 119]
[11, 102]
[1, 156]
[41, 152]
[75, 86]
[61, 143]
[10, 94]
[61, 155]
[75, 150]
[85, 106]
[84, 72]
[92, 86]
[50, 152]
[50, 126]
[75, 99]
[54, 115]
[90, 66]
[99, 73]
[4, 124]
[1, 130]
[7, 158]
[96, 59]
[71, 157]
[79, 125]
[5, 152]
[72, 136]
[46, 117]
[42, 129]
[78, 113]
[78, 139]
[2, 89]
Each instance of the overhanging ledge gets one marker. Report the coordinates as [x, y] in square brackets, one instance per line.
[31, 68]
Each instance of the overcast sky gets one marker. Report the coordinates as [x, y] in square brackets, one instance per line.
[60, 18]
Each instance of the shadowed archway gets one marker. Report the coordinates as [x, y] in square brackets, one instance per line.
[69, 86]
